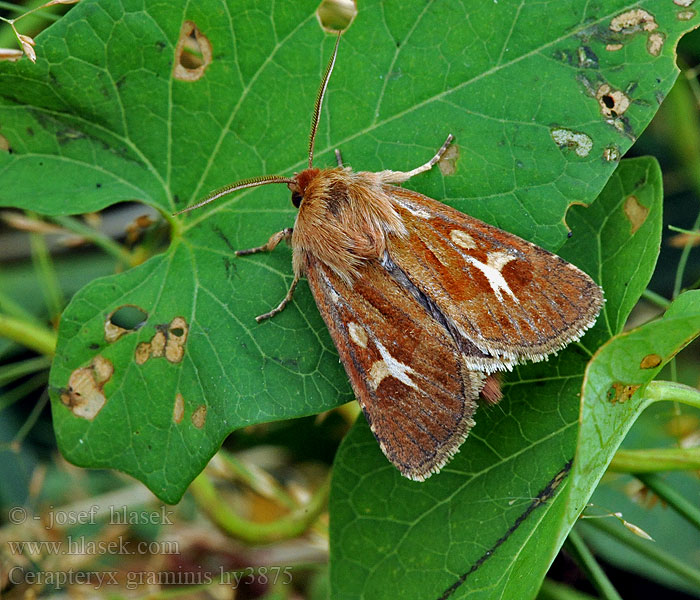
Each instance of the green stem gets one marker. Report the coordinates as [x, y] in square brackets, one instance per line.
[553, 590]
[695, 233]
[29, 421]
[655, 459]
[682, 261]
[46, 273]
[19, 369]
[38, 19]
[668, 494]
[37, 337]
[586, 561]
[648, 549]
[15, 309]
[657, 299]
[96, 237]
[8, 398]
[258, 480]
[674, 392]
[290, 526]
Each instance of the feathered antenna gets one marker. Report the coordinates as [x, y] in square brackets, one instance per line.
[234, 187]
[319, 100]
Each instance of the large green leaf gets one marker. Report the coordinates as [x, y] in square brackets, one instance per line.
[100, 119]
[489, 524]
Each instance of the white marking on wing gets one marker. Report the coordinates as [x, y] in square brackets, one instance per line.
[462, 239]
[495, 261]
[390, 367]
[357, 334]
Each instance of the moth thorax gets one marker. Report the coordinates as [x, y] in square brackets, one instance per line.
[344, 218]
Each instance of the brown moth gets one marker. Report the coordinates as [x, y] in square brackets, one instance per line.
[424, 303]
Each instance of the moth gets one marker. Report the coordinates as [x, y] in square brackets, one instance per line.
[424, 303]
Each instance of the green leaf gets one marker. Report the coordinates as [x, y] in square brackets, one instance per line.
[100, 119]
[488, 525]
[614, 391]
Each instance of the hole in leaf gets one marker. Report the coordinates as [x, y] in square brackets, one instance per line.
[336, 15]
[608, 100]
[193, 53]
[129, 317]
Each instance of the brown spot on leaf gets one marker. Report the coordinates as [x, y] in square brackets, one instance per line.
[655, 42]
[336, 15]
[199, 416]
[177, 336]
[613, 103]
[683, 3]
[448, 161]
[158, 342]
[619, 393]
[632, 21]
[613, 47]
[650, 361]
[577, 141]
[178, 408]
[611, 154]
[123, 320]
[193, 53]
[636, 213]
[168, 340]
[4, 144]
[142, 353]
[84, 394]
[686, 15]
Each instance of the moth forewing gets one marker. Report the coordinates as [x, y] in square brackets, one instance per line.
[512, 299]
[405, 369]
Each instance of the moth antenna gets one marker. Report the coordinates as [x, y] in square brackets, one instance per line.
[234, 187]
[319, 100]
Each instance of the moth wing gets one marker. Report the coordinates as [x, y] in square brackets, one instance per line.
[513, 300]
[407, 372]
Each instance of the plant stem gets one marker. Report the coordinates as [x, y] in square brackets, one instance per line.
[9, 397]
[15, 309]
[96, 237]
[290, 526]
[674, 392]
[37, 337]
[30, 421]
[647, 549]
[19, 369]
[553, 590]
[668, 494]
[656, 299]
[655, 459]
[258, 480]
[586, 561]
[46, 273]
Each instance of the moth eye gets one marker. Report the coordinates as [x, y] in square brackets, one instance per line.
[296, 199]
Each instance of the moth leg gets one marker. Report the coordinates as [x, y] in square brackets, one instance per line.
[281, 305]
[338, 157]
[275, 239]
[401, 176]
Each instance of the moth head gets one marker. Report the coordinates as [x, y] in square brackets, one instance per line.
[300, 183]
